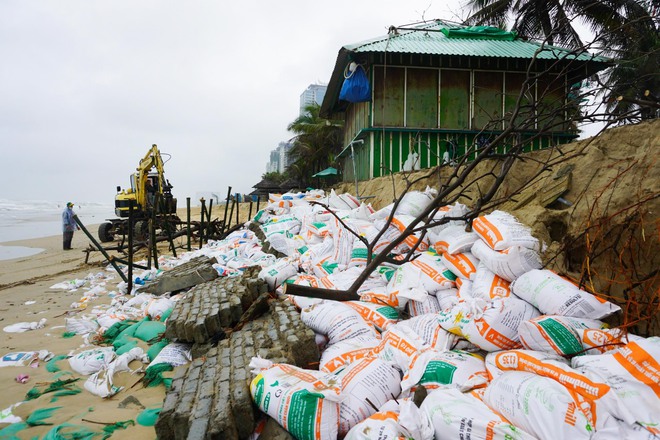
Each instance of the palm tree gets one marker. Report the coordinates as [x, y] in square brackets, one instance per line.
[315, 144]
[625, 28]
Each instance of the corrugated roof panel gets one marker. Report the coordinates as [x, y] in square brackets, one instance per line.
[429, 41]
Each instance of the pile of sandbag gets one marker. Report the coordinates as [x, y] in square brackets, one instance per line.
[501, 347]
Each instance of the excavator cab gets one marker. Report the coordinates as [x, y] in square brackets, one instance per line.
[149, 193]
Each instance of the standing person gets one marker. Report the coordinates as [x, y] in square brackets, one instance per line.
[68, 225]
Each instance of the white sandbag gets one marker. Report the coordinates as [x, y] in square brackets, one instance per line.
[379, 315]
[24, 358]
[557, 334]
[367, 380]
[279, 272]
[90, 361]
[21, 327]
[456, 211]
[304, 402]
[509, 263]
[447, 299]
[336, 320]
[500, 230]
[428, 328]
[342, 240]
[491, 326]
[398, 345]
[462, 265]
[425, 274]
[101, 383]
[538, 405]
[413, 203]
[456, 415]
[396, 420]
[445, 369]
[455, 240]
[80, 326]
[633, 373]
[498, 362]
[175, 354]
[281, 225]
[157, 307]
[342, 353]
[359, 254]
[428, 305]
[343, 201]
[597, 401]
[596, 341]
[554, 295]
[488, 285]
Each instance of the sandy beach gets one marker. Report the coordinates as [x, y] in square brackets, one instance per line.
[26, 296]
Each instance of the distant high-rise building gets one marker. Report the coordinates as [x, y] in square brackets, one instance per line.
[279, 158]
[313, 94]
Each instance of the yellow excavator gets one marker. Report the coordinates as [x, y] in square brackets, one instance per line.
[151, 196]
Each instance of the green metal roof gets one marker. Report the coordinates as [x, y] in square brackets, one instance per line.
[430, 39]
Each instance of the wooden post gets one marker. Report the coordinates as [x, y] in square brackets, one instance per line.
[188, 221]
[224, 220]
[201, 224]
[250, 211]
[99, 247]
[130, 247]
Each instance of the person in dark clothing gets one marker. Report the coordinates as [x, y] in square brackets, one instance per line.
[68, 226]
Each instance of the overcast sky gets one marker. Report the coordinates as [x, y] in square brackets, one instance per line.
[87, 86]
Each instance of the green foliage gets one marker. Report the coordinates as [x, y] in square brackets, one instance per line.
[316, 143]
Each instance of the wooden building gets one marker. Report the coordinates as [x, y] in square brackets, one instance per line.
[439, 89]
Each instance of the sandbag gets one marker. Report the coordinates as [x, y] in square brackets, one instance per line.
[491, 326]
[509, 263]
[488, 285]
[500, 230]
[428, 328]
[596, 400]
[456, 415]
[633, 373]
[602, 340]
[426, 273]
[524, 399]
[368, 378]
[90, 361]
[342, 353]
[463, 265]
[379, 315]
[413, 203]
[279, 272]
[455, 240]
[174, 354]
[336, 320]
[396, 420]
[556, 334]
[398, 346]
[554, 295]
[443, 214]
[304, 402]
[429, 305]
[447, 369]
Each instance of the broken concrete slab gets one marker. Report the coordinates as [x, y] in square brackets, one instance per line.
[196, 271]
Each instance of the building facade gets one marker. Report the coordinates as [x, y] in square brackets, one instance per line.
[314, 94]
[439, 91]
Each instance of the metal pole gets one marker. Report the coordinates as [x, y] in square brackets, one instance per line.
[100, 248]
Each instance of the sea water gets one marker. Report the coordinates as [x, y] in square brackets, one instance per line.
[27, 219]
